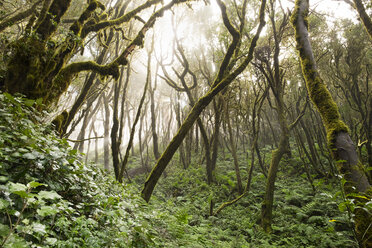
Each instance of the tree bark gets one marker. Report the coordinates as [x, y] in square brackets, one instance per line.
[339, 140]
[106, 142]
[233, 149]
[364, 16]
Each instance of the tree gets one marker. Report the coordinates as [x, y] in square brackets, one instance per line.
[367, 22]
[347, 67]
[275, 78]
[225, 77]
[38, 64]
[338, 136]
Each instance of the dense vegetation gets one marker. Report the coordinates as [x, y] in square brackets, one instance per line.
[185, 123]
[57, 201]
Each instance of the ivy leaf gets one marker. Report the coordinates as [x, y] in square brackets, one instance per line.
[18, 189]
[48, 195]
[51, 241]
[38, 228]
[3, 204]
[4, 230]
[29, 155]
[14, 187]
[34, 184]
[3, 179]
[47, 210]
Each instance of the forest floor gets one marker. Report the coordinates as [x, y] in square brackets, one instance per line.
[50, 198]
[302, 217]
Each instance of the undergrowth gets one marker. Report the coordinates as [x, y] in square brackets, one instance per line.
[49, 198]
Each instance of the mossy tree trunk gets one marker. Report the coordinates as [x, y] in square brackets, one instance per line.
[217, 107]
[18, 17]
[275, 77]
[155, 142]
[181, 150]
[339, 140]
[106, 133]
[233, 146]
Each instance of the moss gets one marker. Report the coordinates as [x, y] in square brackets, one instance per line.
[60, 120]
[48, 26]
[362, 227]
[78, 25]
[324, 103]
[317, 90]
[25, 70]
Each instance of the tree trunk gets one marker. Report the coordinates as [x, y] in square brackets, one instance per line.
[217, 106]
[267, 205]
[233, 150]
[106, 144]
[133, 129]
[155, 145]
[338, 138]
[364, 16]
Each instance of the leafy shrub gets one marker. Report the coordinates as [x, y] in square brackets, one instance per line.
[49, 198]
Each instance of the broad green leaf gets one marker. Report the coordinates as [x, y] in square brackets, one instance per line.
[9, 96]
[3, 179]
[51, 241]
[4, 230]
[23, 150]
[16, 242]
[29, 155]
[35, 184]
[16, 154]
[38, 228]
[3, 204]
[29, 102]
[15, 188]
[47, 210]
[48, 195]
[18, 189]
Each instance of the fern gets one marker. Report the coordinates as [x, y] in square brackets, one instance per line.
[308, 207]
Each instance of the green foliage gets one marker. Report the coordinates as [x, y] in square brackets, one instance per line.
[49, 198]
[54, 200]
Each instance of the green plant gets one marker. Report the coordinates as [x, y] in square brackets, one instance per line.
[19, 207]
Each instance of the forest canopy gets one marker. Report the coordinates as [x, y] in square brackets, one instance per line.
[199, 105]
